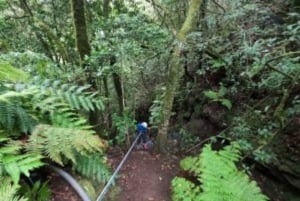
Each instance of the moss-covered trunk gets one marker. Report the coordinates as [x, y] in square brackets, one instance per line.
[176, 71]
[82, 42]
[83, 47]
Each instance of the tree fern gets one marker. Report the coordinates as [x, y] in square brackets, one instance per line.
[14, 117]
[8, 191]
[69, 119]
[60, 102]
[92, 166]
[184, 190]
[13, 162]
[57, 142]
[77, 97]
[220, 178]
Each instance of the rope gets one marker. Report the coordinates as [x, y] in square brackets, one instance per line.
[110, 181]
[76, 186]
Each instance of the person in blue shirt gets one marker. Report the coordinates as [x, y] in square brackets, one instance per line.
[142, 129]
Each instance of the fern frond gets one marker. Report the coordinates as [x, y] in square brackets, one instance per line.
[185, 190]
[9, 73]
[8, 191]
[14, 163]
[67, 118]
[82, 100]
[93, 167]
[77, 97]
[89, 187]
[14, 117]
[57, 142]
[10, 94]
[220, 178]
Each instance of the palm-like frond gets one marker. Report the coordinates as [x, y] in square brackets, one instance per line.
[92, 166]
[13, 162]
[57, 142]
[14, 117]
[8, 191]
[220, 178]
[77, 97]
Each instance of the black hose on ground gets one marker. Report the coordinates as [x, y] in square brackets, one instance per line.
[68, 178]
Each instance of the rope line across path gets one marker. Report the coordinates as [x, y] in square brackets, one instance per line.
[110, 181]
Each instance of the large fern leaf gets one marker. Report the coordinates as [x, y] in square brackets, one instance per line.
[57, 142]
[14, 117]
[220, 179]
[14, 163]
[184, 190]
[8, 191]
[92, 166]
[69, 119]
[77, 97]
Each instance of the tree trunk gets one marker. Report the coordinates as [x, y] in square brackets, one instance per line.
[81, 37]
[117, 79]
[106, 8]
[106, 92]
[84, 49]
[176, 71]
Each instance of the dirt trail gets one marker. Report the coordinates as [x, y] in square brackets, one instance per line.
[61, 190]
[146, 177]
[143, 177]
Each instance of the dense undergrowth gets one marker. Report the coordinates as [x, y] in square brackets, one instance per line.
[241, 76]
[220, 178]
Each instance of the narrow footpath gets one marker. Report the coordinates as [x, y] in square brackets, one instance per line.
[146, 177]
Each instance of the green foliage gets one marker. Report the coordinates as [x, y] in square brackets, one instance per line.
[57, 142]
[24, 107]
[250, 49]
[156, 108]
[294, 109]
[9, 73]
[14, 117]
[220, 178]
[124, 125]
[184, 190]
[77, 97]
[14, 163]
[131, 46]
[246, 132]
[8, 191]
[187, 140]
[244, 55]
[38, 191]
[21, 109]
[218, 97]
[92, 166]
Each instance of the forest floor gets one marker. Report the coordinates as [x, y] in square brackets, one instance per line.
[144, 177]
[61, 190]
[147, 177]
